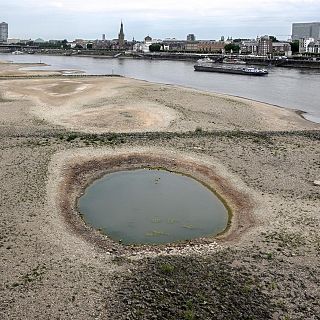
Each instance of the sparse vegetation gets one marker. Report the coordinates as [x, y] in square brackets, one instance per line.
[166, 268]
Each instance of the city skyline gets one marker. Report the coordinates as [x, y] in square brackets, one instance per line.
[210, 20]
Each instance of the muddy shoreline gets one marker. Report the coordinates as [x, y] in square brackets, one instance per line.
[82, 173]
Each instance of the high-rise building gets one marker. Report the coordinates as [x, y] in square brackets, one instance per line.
[191, 37]
[3, 32]
[306, 30]
[121, 36]
[103, 37]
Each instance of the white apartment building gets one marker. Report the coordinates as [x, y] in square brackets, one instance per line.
[304, 43]
[144, 46]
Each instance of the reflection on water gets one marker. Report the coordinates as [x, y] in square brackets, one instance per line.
[152, 206]
[292, 88]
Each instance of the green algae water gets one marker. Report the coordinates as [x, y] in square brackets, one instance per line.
[152, 206]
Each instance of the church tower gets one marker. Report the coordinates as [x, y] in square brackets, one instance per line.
[121, 37]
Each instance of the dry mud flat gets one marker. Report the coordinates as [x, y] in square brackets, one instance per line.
[8, 69]
[97, 105]
[54, 266]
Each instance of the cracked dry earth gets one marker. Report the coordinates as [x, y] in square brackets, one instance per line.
[50, 270]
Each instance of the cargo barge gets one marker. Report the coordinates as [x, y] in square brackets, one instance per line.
[234, 70]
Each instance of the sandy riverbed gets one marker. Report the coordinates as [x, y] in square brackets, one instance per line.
[125, 105]
[57, 134]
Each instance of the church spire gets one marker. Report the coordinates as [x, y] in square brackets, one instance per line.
[121, 36]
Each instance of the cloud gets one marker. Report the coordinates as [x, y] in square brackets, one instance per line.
[166, 7]
[164, 18]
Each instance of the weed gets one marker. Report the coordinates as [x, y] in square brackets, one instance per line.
[189, 304]
[167, 268]
[189, 315]
[285, 239]
[72, 137]
[247, 288]
[273, 285]
[269, 255]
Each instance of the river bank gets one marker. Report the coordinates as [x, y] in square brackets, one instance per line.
[268, 155]
[285, 62]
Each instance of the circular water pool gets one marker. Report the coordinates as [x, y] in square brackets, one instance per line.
[152, 206]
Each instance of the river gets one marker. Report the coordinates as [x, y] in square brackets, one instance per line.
[292, 88]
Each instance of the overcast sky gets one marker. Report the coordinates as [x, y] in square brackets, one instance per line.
[207, 19]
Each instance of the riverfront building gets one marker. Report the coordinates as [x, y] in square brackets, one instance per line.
[211, 46]
[306, 30]
[264, 46]
[309, 45]
[191, 46]
[281, 48]
[314, 47]
[148, 41]
[249, 46]
[3, 32]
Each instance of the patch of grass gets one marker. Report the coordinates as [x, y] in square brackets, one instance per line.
[189, 315]
[195, 288]
[167, 268]
[269, 255]
[71, 137]
[34, 274]
[285, 239]
[112, 137]
[273, 285]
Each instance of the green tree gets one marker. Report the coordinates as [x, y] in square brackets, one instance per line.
[295, 46]
[65, 44]
[155, 47]
[273, 39]
[232, 46]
